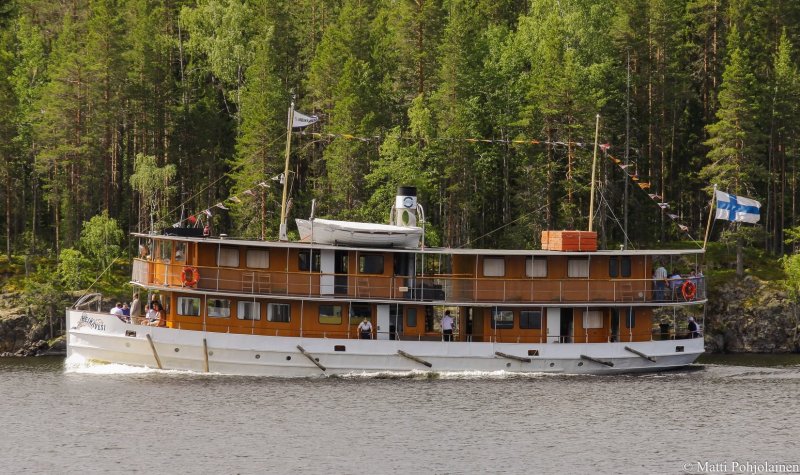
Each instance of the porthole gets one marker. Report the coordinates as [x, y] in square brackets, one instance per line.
[127, 344]
[177, 350]
[552, 364]
[580, 363]
[288, 358]
[258, 357]
[508, 365]
[211, 353]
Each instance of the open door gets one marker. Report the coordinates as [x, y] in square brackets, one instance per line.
[384, 322]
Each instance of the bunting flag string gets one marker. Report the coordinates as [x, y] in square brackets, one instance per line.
[192, 219]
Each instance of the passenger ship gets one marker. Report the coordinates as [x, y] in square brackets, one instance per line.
[282, 308]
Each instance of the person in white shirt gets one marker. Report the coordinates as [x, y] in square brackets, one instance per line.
[659, 282]
[365, 330]
[117, 310]
[447, 326]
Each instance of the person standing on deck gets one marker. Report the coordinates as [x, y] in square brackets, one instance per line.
[136, 308]
[693, 328]
[659, 282]
[365, 330]
[447, 326]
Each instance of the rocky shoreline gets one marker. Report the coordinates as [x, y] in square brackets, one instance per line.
[743, 316]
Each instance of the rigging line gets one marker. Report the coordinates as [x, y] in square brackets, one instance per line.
[97, 279]
[615, 219]
[508, 224]
[220, 178]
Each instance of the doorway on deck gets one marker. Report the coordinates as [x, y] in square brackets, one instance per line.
[566, 325]
[340, 271]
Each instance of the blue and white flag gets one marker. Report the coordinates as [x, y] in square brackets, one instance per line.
[737, 208]
[302, 120]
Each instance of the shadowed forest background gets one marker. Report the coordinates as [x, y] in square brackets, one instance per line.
[132, 111]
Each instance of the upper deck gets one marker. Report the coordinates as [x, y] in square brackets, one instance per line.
[442, 275]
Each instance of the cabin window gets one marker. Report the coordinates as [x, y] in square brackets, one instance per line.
[258, 259]
[228, 256]
[411, 317]
[307, 261]
[180, 251]
[248, 310]
[625, 267]
[613, 267]
[630, 318]
[370, 264]
[494, 266]
[502, 319]
[189, 306]
[166, 251]
[593, 319]
[219, 308]
[279, 312]
[578, 268]
[330, 314]
[360, 311]
[536, 267]
[530, 319]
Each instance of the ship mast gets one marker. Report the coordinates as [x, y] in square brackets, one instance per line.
[594, 166]
[282, 232]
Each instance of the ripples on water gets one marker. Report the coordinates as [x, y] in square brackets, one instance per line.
[116, 418]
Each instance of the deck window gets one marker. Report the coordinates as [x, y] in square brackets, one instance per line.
[330, 314]
[189, 306]
[625, 266]
[180, 252]
[502, 319]
[248, 310]
[613, 267]
[307, 261]
[593, 319]
[578, 267]
[411, 317]
[494, 266]
[279, 312]
[370, 264]
[258, 259]
[360, 311]
[536, 267]
[228, 256]
[530, 319]
[219, 308]
[166, 251]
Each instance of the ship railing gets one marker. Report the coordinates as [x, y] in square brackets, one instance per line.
[434, 288]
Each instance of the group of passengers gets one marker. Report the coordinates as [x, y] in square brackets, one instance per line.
[670, 285]
[155, 315]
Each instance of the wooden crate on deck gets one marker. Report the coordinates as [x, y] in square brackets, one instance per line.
[569, 240]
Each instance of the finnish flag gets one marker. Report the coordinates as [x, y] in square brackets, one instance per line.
[737, 208]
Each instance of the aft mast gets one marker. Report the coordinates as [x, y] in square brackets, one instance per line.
[282, 232]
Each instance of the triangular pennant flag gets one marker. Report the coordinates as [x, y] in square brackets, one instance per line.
[624, 166]
[207, 212]
[616, 160]
[220, 206]
[644, 186]
[235, 199]
[263, 184]
[605, 146]
[248, 192]
[663, 205]
[302, 120]
[672, 216]
[683, 228]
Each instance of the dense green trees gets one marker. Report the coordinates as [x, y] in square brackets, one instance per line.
[199, 90]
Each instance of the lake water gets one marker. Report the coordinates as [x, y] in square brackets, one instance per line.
[112, 419]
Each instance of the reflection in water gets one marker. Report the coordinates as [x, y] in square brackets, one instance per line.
[113, 418]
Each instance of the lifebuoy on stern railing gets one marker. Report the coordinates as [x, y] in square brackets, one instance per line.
[190, 276]
[689, 290]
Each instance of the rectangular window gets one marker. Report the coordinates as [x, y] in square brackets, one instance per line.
[411, 317]
[593, 319]
[360, 311]
[279, 312]
[578, 267]
[626, 266]
[630, 318]
[530, 319]
[228, 256]
[248, 310]
[536, 267]
[166, 251]
[189, 306]
[219, 308]
[613, 267]
[330, 314]
[370, 264]
[180, 251]
[258, 259]
[307, 261]
[502, 319]
[494, 266]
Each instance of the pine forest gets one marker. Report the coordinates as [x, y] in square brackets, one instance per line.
[143, 113]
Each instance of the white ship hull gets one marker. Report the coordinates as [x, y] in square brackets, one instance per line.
[105, 338]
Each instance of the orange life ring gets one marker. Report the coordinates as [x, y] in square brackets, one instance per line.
[689, 290]
[190, 276]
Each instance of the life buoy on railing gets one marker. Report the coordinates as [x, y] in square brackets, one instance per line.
[190, 276]
[689, 290]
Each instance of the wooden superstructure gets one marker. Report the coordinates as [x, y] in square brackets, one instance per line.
[324, 291]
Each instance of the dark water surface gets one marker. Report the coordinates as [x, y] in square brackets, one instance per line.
[112, 419]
